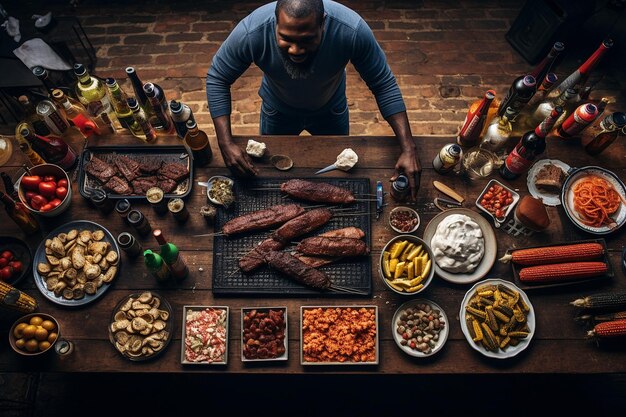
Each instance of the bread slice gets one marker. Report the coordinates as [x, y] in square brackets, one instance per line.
[550, 179]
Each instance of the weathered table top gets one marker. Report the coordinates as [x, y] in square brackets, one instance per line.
[559, 344]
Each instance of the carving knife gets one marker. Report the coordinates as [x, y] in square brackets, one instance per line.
[448, 191]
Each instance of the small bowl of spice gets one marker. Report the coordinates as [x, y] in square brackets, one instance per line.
[404, 220]
[220, 191]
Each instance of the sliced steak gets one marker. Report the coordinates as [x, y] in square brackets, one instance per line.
[150, 167]
[143, 184]
[118, 185]
[174, 171]
[167, 185]
[99, 169]
[129, 168]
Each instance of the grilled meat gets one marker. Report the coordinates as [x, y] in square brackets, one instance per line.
[318, 192]
[150, 167]
[256, 257]
[332, 246]
[296, 270]
[143, 184]
[167, 185]
[302, 224]
[99, 169]
[316, 261]
[262, 219]
[352, 232]
[173, 171]
[118, 186]
[129, 168]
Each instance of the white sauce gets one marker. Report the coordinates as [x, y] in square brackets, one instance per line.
[458, 244]
[346, 159]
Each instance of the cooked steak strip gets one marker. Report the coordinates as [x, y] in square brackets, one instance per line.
[99, 169]
[150, 167]
[316, 261]
[352, 232]
[118, 186]
[256, 257]
[262, 219]
[173, 171]
[167, 185]
[129, 168]
[302, 224]
[318, 192]
[143, 184]
[332, 246]
[296, 270]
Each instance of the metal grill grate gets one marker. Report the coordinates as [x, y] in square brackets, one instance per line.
[228, 279]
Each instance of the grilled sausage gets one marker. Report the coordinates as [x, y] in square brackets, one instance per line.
[296, 270]
[318, 192]
[256, 257]
[332, 246]
[353, 232]
[302, 224]
[262, 219]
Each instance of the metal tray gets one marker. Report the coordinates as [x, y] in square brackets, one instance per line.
[139, 153]
[601, 278]
[229, 280]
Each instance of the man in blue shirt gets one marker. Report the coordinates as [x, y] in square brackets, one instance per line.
[303, 47]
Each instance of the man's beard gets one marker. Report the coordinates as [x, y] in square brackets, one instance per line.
[297, 71]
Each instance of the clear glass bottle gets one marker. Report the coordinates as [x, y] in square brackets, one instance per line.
[156, 97]
[545, 108]
[601, 135]
[498, 133]
[149, 133]
[92, 93]
[474, 121]
[76, 113]
[124, 114]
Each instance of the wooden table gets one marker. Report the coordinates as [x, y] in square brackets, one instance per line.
[559, 345]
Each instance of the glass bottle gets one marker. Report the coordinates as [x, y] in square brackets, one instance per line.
[156, 97]
[584, 115]
[198, 141]
[149, 133]
[498, 133]
[543, 89]
[140, 95]
[521, 91]
[20, 214]
[52, 149]
[24, 145]
[542, 69]
[156, 265]
[531, 145]
[92, 93]
[9, 186]
[180, 113]
[124, 114]
[44, 77]
[32, 118]
[76, 113]
[53, 117]
[172, 257]
[545, 108]
[604, 133]
[475, 121]
[400, 188]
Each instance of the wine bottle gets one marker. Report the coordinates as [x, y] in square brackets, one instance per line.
[52, 149]
[198, 143]
[124, 114]
[32, 118]
[172, 257]
[498, 133]
[543, 89]
[140, 117]
[520, 93]
[605, 132]
[531, 145]
[76, 113]
[44, 76]
[20, 214]
[140, 95]
[156, 265]
[474, 121]
[24, 145]
[584, 115]
[180, 113]
[156, 97]
[92, 93]
[545, 108]
[54, 118]
[542, 69]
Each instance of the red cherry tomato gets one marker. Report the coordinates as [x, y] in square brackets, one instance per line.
[49, 178]
[38, 201]
[46, 207]
[47, 188]
[29, 195]
[17, 266]
[3, 262]
[61, 192]
[31, 182]
[55, 202]
[7, 254]
[62, 183]
[6, 273]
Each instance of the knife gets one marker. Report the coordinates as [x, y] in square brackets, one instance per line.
[448, 191]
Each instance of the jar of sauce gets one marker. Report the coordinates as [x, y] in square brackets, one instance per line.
[400, 189]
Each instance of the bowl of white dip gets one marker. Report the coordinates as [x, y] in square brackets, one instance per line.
[463, 244]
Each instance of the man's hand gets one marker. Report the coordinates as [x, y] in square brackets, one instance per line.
[237, 160]
[409, 164]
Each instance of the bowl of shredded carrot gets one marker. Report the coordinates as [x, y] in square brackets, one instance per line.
[595, 200]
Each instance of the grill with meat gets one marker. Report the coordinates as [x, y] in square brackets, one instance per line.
[262, 219]
[318, 192]
[118, 186]
[332, 246]
[99, 169]
[256, 257]
[296, 270]
[129, 168]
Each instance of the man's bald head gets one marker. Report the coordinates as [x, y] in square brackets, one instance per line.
[301, 8]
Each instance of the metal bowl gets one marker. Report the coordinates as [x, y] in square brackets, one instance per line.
[42, 171]
[426, 280]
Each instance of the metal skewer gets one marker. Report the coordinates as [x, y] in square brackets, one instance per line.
[348, 290]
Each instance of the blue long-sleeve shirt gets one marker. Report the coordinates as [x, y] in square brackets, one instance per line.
[346, 38]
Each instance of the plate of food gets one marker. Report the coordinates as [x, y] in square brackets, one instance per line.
[594, 199]
[268, 344]
[463, 244]
[205, 335]
[15, 259]
[545, 180]
[497, 200]
[75, 264]
[412, 329]
[503, 324]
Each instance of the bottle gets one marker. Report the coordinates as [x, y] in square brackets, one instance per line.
[577, 121]
[129, 244]
[24, 145]
[180, 113]
[605, 132]
[9, 186]
[124, 114]
[198, 141]
[474, 121]
[44, 77]
[122, 207]
[20, 214]
[542, 69]
[137, 220]
[52, 117]
[447, 158]
[172, 257]
[532, 144]
[52, 149]
[498, 133]
[140, 117]
[101, 201]
[32, 118]
[156, 97]
[92, 93]
[156, 265]
[520, 93]
[582, 73]
[543, 89]
[140, 95]
[545, 108]
[400, 189]
[76, 113]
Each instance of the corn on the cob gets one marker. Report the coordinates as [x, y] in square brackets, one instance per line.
[609, 329]
[601, 317]
[562, 272]
[603, 300]
[13, 299]
[555, 254]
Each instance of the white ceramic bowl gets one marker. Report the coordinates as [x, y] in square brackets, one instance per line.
[442, 336]
[211, 183]
[417, 241]
[42, 171]
[409, 210]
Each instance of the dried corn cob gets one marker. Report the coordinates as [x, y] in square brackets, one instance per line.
[14, 299]
[609, 329]
[603, 300]
[601, 317]
[562, 272]
[555, 254]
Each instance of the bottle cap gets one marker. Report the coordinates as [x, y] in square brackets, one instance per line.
[175, 106]
[619, 119]
[191, 124]
[454, 150]
[79, 69]
[39, 71]
[401, 183]
[110, 82]
[132, 103]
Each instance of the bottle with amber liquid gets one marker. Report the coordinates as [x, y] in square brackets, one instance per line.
[198, 141]
[124, 114]
[20, 214]
[149, 133]
[475, 121]
[76, 113]
[24, 145]
[160, 108]
[603, 134]
[52, 149]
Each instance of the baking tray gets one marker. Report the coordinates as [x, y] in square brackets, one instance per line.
[140, 153]
[353, 272]
[605, 258]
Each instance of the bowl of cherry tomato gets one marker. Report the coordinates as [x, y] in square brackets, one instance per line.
[497, 200]
[45, 190]
[15, 259]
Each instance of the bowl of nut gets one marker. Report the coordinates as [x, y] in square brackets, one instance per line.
[34, 334]
[45, 190]
[420, 328]
[405, 265]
